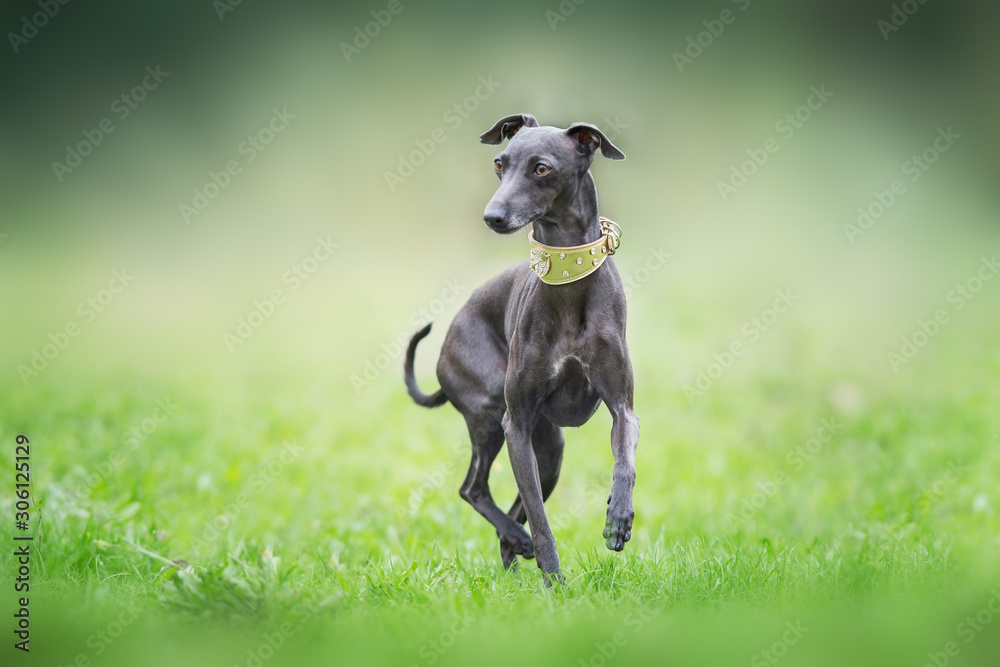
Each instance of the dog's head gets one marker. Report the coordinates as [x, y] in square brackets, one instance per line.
[540, 167]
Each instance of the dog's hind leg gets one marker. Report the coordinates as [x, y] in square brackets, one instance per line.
[547, 442]
[487, 439]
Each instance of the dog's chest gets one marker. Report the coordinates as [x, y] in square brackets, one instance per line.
[572, 398]
[569, 364]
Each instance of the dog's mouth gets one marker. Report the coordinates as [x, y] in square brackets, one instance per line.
[510, 223]
[506, 228]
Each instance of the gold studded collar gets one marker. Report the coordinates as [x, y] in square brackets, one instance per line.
[558, 266]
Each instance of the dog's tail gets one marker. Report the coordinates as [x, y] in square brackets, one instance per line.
[426, 400]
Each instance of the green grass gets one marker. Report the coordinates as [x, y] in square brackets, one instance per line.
[359, 542]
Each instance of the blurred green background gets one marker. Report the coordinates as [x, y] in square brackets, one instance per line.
[187, 373]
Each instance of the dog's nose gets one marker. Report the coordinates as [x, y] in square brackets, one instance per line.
[494, 216]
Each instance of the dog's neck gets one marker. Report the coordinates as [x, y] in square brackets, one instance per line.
[577, 222]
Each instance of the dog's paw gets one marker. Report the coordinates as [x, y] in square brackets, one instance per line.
[618, 528]
[554, 579]
[524, 547]
[516, 543]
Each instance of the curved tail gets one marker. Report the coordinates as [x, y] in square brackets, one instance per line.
[419, 397]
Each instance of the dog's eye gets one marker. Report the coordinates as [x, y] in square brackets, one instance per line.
[498, 165]
[542, 169]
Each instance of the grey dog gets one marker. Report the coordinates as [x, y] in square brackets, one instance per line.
[524, 357]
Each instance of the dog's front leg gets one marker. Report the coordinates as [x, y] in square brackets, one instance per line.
[624, 439]
[517, 429]
[612, 377]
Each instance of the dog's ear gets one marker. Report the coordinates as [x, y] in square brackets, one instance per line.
[507, 127]
[589, 139]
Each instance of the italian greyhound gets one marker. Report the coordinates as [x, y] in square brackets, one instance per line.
[542, 344]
